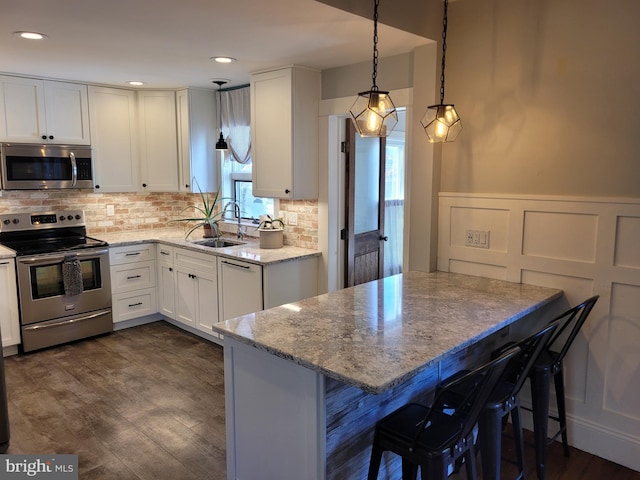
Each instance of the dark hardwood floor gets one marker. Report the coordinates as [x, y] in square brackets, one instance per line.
[142, 403]
[148, 403]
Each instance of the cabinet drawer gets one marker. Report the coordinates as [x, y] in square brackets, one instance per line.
[165, 254]
[132, 253]
[195, 260]
[133, 305]
[133, 276]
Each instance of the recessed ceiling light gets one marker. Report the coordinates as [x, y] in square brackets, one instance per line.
[135, 83]
[30, 35]
[223, 59]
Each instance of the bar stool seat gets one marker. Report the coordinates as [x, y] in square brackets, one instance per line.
[431, 438]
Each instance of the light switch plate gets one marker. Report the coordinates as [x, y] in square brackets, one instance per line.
[292, 218]
[111, 210]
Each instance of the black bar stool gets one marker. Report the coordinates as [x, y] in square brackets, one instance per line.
[431, 438]
[549, 367]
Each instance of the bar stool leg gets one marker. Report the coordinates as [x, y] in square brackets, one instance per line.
[562, 410]
[490, 436]
[376, 458]
[409, 470]
[518, 437]
[540, 403]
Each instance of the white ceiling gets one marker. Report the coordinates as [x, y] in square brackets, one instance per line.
[168, 43]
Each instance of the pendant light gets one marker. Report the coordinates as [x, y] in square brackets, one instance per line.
[373, 113]
[221, 144]
[441, 122]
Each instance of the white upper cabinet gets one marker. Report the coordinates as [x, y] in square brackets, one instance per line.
[37, 111]
[113, 131]
[196, 110]
[158, 141]
[284, 133]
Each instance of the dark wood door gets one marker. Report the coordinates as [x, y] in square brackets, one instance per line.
[364, 210]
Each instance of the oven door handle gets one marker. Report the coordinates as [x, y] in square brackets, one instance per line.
[74, 169]
[60, 258]
[68, 322]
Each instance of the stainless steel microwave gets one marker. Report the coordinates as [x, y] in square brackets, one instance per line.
[44, 167]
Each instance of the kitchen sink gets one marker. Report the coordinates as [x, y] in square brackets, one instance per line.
[218, 242]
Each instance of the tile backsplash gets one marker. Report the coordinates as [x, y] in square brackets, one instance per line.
[145, 211]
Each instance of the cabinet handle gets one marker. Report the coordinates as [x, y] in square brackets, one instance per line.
[171, 269]
[246, 267]
[97, 186]
[191, 275]
[50, 137]
[135, 304]
[162, 252]
[287, 191]
[133, 277]
[187, 185]
[131, 254]
[4, 263]
[144, 185]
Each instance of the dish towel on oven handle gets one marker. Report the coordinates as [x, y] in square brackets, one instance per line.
[72, 275]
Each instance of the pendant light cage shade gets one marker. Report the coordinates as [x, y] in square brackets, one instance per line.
[374, 114]
[441, 123]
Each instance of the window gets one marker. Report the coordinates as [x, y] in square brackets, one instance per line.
[237, 186]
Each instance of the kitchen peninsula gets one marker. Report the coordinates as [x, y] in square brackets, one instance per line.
[305, 382]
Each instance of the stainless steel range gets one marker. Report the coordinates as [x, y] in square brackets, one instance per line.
[63, 277]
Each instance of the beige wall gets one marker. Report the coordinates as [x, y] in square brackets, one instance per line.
[549, 93]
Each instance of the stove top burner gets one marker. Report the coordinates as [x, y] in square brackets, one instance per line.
[50, 232]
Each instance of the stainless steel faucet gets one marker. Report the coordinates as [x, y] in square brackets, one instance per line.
[236, 209]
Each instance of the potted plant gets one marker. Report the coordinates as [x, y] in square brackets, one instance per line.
[271, 232]
[208, 218]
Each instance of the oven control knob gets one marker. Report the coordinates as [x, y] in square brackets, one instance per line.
[62, 217]
[6, 222]
[70, 217]
[78, 217]
[16, 221]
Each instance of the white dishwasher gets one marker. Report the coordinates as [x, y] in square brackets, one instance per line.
[240, 285]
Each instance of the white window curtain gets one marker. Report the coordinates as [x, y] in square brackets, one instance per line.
[235, 116]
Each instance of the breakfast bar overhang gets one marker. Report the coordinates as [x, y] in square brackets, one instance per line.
[305, 382]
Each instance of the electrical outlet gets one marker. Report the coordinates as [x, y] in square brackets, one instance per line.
[477, 238]
[110, 211]
[292, 218]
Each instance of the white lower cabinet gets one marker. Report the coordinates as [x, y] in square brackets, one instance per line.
[133, 281]
[9, 321]
[188, 287]
[240, 288]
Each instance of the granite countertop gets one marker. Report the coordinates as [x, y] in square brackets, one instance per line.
[378, 334]
[249, 252]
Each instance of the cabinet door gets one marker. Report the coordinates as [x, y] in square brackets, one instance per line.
[271, 133]
[158, 141]
[196, 139]
[113, 134]
[9, 321]
[240, 288]
[186, 296]
[207, 313]
[284, 133]
[166, 281]
[22, 117]
[67, 113]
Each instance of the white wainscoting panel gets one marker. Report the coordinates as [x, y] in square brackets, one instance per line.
[585, 246]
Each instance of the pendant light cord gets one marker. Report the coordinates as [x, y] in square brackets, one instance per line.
[444, 50]
[374, 75]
